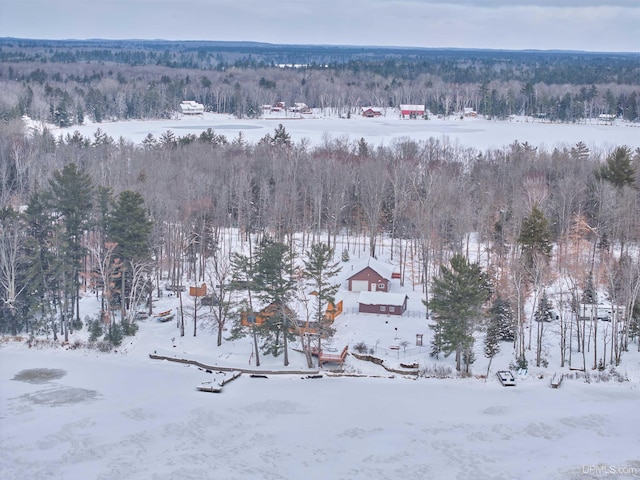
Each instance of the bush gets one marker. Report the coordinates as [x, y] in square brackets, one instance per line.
[360, 347]
[345, 255]
[104, 347]
[115, 335]
[436, 371]
[77, 324]
[129, 329]
[95, 329]
[521, 363]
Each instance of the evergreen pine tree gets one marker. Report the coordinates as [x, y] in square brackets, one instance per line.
[589, 294]
[492, 340]
[501, 314]
[618, 169]
[580, 151]
[320, 269]
[281, 137]
[543, 313]
[535, 235]
[71, 200]
[458, 295]
[544, 309]
[274, 285]
[129, 227]
[43, 265]
[363, 148]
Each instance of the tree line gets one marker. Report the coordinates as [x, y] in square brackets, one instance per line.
[60, 84]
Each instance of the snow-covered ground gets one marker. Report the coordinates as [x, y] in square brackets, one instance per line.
[78, 413]
[128, 417]
[468, 132]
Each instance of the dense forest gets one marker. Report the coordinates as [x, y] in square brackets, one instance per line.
[64, 82]
[108, 215]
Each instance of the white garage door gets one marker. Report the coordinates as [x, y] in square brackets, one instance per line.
[359, 285]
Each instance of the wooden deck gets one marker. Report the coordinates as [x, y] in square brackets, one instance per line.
[326, 357]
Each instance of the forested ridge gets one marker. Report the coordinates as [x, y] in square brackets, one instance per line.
[116, 217]
[64, 82]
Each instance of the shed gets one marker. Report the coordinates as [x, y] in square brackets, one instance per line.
[382, 303]
[374, 277]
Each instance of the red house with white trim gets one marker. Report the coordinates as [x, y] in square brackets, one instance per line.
[412, 111]
[371, 112]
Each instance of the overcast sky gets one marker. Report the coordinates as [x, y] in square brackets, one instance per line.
[612, 25]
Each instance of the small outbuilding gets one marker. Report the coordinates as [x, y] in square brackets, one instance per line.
[382, 303]
[374, 277]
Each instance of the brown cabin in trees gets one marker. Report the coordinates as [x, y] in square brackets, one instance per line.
[333, 310]
[248, 318]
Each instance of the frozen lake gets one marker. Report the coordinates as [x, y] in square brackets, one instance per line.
[103, 416]
[468, 132]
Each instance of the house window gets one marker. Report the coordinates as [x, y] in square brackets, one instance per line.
[381, 286]
[383, 308]
[251, 319]
[392, 309]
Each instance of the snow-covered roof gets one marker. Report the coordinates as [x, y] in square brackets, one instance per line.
[190, 106]
[412, 107]
[381, 298]
[384, 269]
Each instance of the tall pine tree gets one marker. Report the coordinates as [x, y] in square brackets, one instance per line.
[501, 314]
[319, 269]
[71, 200]
[458, 295]
[535, 236]
[274, 285]
[129, 226]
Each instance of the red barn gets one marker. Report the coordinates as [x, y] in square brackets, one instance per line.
[412, 111]
[370, 279]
